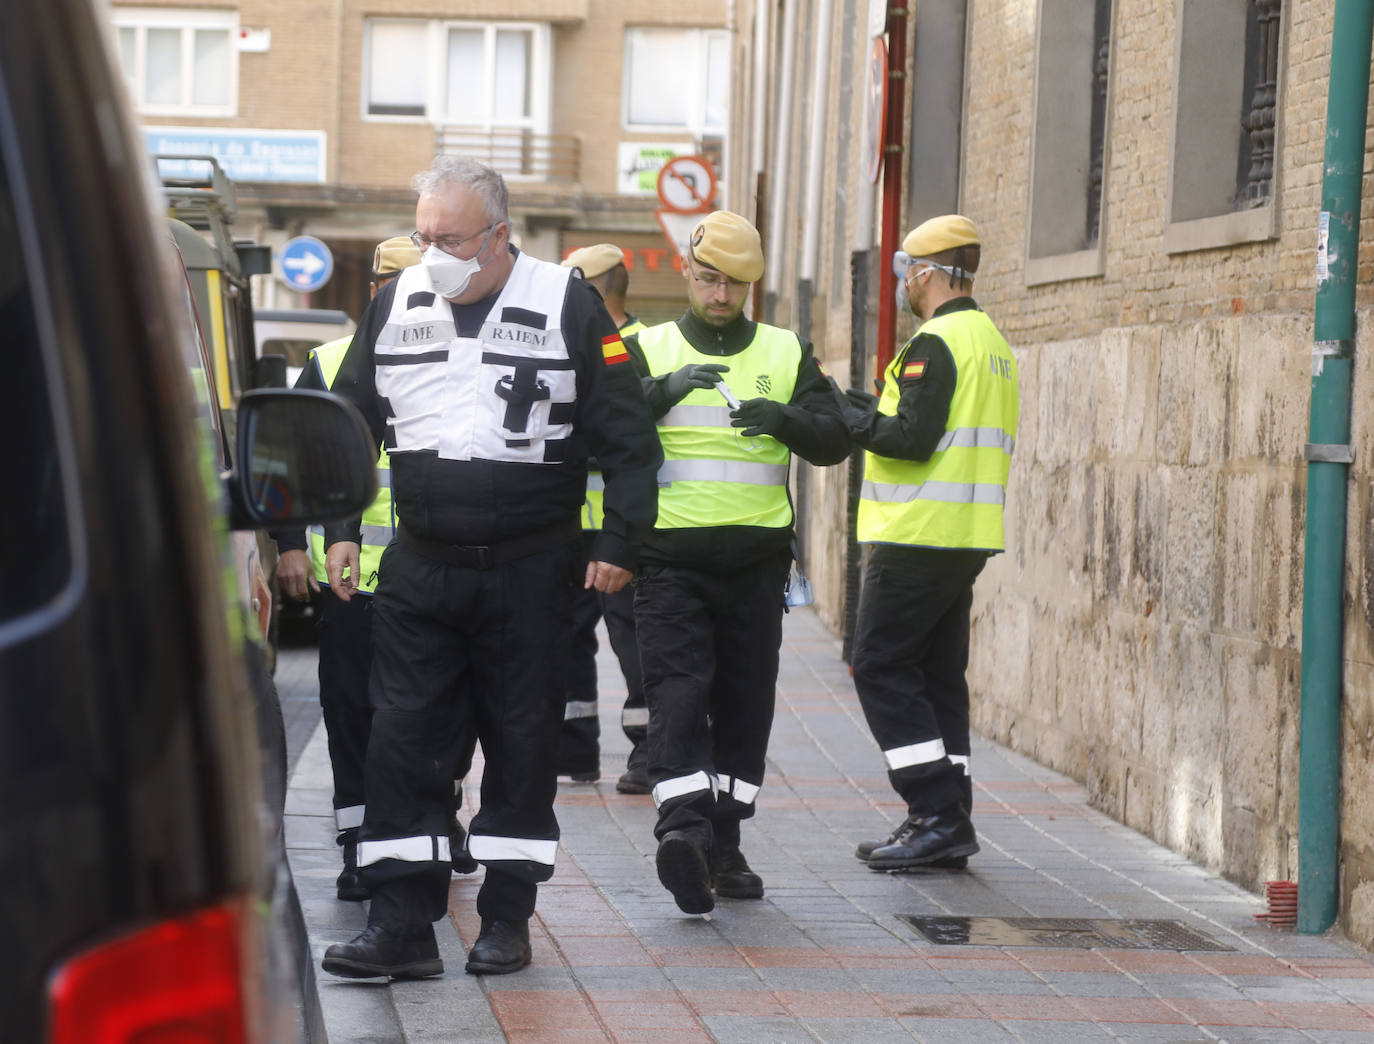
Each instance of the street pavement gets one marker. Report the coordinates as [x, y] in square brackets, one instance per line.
[827, 954]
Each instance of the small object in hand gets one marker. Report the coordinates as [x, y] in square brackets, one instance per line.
[757, 416]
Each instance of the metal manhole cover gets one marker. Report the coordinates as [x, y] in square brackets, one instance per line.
[1079, 933]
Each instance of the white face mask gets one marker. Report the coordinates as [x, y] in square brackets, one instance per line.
[448, 275]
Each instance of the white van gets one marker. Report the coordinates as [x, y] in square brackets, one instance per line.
[292, 332]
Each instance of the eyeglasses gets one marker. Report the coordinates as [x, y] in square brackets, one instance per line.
[451, 246]
[916, 265]
[709, 281]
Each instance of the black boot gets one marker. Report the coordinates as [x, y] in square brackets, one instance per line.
[731, 877]
[410, 953]
[349, 886]
[867, 848]
[683, 870]
[946, 836]
[501, 947]
[635, 778]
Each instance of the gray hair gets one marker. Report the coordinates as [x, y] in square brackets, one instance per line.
[459, 170]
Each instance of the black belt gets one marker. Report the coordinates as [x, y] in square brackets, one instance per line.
[477, 557]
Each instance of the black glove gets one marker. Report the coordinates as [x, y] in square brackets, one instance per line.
[693, 375]
[861, 399]
[758, 417]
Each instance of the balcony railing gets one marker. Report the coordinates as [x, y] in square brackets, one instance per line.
[517, 153]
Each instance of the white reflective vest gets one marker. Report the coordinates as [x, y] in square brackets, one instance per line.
[503, 395]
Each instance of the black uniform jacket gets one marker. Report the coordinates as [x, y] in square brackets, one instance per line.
[813, 427]
[923, 409]
[484, 502]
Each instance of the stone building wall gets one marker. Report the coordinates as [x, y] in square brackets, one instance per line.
[1143, 632]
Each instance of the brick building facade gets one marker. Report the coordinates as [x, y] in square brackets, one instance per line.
[576, 101]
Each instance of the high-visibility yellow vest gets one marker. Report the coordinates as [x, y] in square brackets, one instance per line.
[955, 498]
[379, 520]
[711, 474]
[593, 509]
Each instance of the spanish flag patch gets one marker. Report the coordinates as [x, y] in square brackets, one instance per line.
[613, 348]
[913, 371]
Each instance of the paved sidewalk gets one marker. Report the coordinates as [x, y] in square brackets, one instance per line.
[826, 955]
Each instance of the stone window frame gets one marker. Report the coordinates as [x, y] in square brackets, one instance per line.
[1200, 59]
[1057, 164]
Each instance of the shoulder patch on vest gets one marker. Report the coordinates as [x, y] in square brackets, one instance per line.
[914, 370]
[420, 299]
[613, 349]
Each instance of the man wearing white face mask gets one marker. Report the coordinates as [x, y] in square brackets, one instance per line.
[491, 378]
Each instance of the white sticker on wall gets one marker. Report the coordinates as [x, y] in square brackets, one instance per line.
[1323, 240]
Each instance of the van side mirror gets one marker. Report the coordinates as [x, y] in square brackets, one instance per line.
[303, 456]
[269, 371]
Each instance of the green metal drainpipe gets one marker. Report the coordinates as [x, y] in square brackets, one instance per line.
[1329, 456]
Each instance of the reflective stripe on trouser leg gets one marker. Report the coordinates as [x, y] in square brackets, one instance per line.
[683, 787]
[926, 753]
[424, 849]
[740, 791]
[349, 818]
[487, 849]
[579, 709]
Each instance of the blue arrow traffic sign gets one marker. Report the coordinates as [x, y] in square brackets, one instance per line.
[306, 264]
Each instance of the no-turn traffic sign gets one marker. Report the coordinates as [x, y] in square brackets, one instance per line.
[687, 184]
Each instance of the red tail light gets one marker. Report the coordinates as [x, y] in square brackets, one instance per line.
[178, 982]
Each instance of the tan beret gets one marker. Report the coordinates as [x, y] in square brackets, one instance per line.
[729, 244]
[394, 254]
[595, 260]
[940, 233]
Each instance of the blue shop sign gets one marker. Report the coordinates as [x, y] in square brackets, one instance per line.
[245, 154]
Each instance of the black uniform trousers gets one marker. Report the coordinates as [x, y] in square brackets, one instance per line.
[458, 650]
[579, 745]
[911, 644]
[709, 649]
[345, 644]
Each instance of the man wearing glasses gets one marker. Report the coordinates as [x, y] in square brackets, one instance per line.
[491, 378]
[939, 443]
[734, 400]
